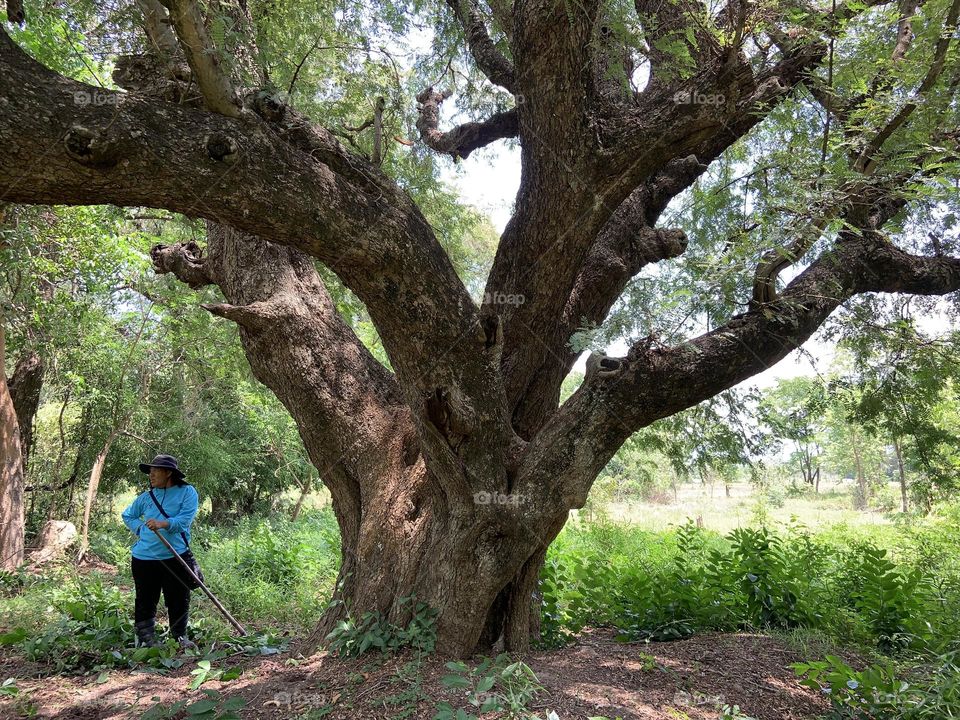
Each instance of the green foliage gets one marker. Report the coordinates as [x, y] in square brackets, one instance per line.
[668, 586]
[88, 629]
[732, 712]
[289, 569]
[353, 637]
[755, 581]
[205, 671]
[264, 555]
[497, 685]
[213, 707]
[889, 598]
[767, 580]
[880, 691]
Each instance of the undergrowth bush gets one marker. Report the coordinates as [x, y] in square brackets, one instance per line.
[927, 691]
[691, 580]
[89, 628]
[353, 637]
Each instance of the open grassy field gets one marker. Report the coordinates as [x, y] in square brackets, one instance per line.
[747, 505]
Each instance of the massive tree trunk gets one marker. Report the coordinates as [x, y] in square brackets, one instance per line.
[453, 470]
[11, 474]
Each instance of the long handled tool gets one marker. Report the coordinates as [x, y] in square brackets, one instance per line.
[206, 590]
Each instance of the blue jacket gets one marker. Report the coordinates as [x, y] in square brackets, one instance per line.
[180, 503]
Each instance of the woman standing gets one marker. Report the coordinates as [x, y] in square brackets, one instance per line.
[168, 507]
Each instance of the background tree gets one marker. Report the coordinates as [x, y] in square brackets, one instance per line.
[900, 377]
[852, 451]
[794, 411]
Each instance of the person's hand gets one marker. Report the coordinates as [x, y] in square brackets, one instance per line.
[156, 524]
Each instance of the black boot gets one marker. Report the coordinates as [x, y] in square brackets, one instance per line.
[178, 630]
[146, 635]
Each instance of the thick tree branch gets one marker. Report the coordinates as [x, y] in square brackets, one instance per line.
[156, 25]
[463, 139]
[202, 56]
[337, 207]
[127, 150]
[491, 61]
[534, 346]
[652, 382]
[668, 22]
[346, 404]
[627, 243]
[548, 270]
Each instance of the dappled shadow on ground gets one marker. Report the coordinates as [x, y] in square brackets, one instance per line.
[595, 676]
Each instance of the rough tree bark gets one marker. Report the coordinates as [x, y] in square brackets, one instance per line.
[452, 472]
[25, 385]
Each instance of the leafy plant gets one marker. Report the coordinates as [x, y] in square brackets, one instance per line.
[352, 637]
[874, 690]
[92, 631]
[494, 685]
[879, 691]
[887, 597]
[204, 672]
[733, 712]
[213, 707]
[264, 555]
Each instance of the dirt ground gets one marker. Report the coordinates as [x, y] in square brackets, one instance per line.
[596, 676]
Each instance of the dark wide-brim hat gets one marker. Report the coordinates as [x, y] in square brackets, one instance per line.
[168, 462]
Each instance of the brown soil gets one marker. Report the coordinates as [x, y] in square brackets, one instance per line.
[596, 676]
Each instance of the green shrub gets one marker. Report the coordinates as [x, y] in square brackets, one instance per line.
[889, 598]
[353, 637]
[663, 586]
[930, 692]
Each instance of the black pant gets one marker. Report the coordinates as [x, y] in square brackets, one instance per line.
[152, 576]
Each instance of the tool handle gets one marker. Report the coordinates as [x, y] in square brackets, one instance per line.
[206, 590]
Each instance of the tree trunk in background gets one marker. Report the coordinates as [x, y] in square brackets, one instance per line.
[78, 460]
[304, 491]
[95, 474]
[220, 507]
[861, 479]
[25, 386]
[903, 475]
[11, 475]
[61, 455]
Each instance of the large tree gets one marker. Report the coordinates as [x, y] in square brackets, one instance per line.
[453, 469]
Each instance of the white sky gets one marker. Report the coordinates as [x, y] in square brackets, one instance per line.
[489, 179]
